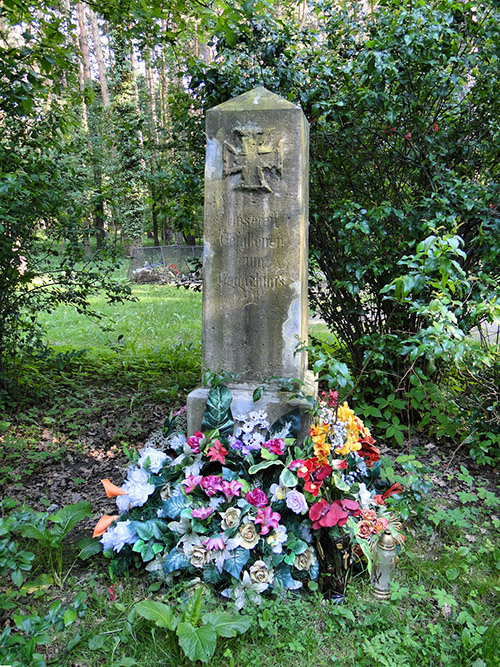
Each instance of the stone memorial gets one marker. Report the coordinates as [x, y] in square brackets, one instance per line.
[255, 250]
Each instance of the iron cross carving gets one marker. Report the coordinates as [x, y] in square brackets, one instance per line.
[258, 156]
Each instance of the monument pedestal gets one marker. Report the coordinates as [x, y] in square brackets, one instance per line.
[274, 402]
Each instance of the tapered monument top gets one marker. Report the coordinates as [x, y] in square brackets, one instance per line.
[258, 98]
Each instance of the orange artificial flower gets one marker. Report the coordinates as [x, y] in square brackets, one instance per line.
[103, 524]
[112, 490]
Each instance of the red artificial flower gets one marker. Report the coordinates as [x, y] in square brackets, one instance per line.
[313, 487]
[381, 498]
[435, 127]
[275, 446]
[408, 136]
[370, 453]
[217, 452]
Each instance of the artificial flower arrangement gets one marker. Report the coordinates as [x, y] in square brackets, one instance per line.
[247, 508]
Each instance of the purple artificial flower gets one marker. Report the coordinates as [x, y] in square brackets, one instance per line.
[202, 513]
[231, 489]
[191, 482]
[215, 543]
[234, 443]
[251, 447]
[297, 502]
[257, 497]
[267, 519]
[211, 484]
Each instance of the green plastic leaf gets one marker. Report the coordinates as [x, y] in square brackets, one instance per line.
[173, 507]
[218, 415]
[236, 561]
[291, 419]
[283, 578]
[262, 466]
[160, 613]
[175, 561]
[288, 479]
[339, 482]
[197, 643]
[226, 625]
[267, 455]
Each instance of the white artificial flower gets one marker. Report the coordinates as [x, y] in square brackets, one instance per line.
[364, 497]
[137, 476]
[137, 493]
[178, 441]
[277, 539]
[118, 536]
[153, 459]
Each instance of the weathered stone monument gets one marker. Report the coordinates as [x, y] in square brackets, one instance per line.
[255, 249]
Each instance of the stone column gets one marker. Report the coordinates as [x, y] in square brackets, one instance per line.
[255, 248]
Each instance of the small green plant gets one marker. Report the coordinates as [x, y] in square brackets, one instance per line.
[195, 630]
[34, 526]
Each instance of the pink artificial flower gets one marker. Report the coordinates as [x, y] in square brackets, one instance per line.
[275, 446]
[338, 464]
[214, 543]
[191, 482]
[194, 441]
[211, 484]
[231, 489]
[380, 524]
[202, 513]
[217, 452]
[257, 497]
[365, 529]
[332, 398]
[267, 519]
[295, 465]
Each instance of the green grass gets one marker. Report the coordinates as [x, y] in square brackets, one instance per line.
[161, 317]
[445, 604]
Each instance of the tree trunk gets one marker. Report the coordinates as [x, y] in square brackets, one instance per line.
[96, 35]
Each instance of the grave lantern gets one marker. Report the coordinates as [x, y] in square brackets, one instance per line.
[384, 563]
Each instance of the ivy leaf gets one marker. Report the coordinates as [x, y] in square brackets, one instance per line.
[226, 625]
[160, 613]
[218, 415]
[236, 561]
[197, 643]
[175, 561]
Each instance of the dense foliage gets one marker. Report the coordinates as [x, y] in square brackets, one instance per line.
[405, 224]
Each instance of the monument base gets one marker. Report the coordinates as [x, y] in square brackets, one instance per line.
[276, 403]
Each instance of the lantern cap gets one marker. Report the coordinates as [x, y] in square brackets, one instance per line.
[386, 541]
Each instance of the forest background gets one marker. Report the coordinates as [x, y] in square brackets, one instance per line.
[102, 143]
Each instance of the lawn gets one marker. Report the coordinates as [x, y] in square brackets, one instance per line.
[74, 417]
